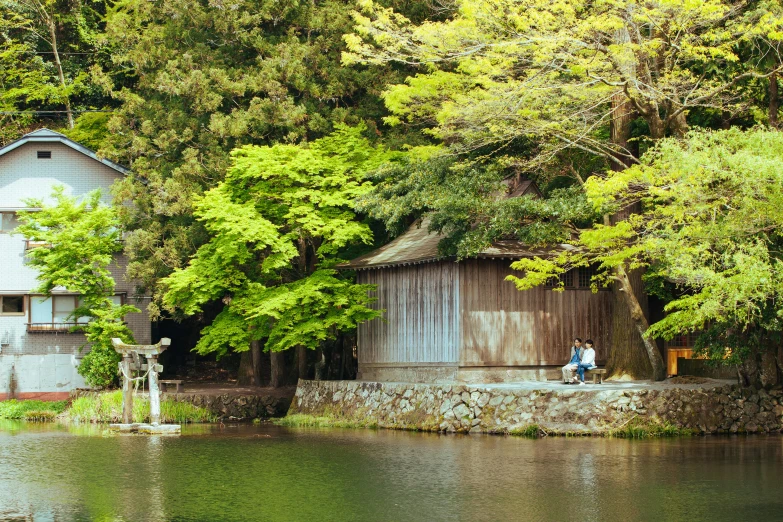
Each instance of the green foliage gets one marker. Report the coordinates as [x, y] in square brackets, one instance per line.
[495, 71]
[277, 225]
[709, 226]
[47, 48]
[468, 204]
[106, 407]
[530, 431]
[30, 409]
[91, 130]
[78, 242]
[209, 78]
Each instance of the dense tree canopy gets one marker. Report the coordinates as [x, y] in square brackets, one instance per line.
[277, 225]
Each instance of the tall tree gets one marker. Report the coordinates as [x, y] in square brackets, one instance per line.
[569, 75]
[276, 227]
[48, 48]
[709, 226]
[209, 77]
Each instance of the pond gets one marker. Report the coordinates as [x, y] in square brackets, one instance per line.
[247, 472]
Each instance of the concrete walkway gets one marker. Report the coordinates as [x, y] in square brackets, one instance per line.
[558, 386]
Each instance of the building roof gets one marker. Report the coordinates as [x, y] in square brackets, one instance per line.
[49, 136]
[418, 245]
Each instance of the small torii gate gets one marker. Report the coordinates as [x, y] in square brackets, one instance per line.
[130, 352]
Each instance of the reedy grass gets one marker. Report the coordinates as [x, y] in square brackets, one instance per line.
[34, 409]
[107, 407]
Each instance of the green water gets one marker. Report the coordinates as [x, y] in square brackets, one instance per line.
[245, 472]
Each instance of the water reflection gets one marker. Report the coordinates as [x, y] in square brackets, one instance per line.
[241, 472]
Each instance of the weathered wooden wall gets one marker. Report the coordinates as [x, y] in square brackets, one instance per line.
[421, 322]
[502, 326]
[467, 314]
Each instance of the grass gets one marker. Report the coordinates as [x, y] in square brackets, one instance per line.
[102, 407]
[531, 431]
[107, 407]
[31, 410]
[640, 429]
[303, 420]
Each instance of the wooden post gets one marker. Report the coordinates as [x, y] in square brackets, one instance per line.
[127, 389]
[152, 363]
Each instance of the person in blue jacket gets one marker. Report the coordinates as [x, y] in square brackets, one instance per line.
[569, 376]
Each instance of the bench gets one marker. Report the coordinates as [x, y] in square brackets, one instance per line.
[598, 375]
[165, 384]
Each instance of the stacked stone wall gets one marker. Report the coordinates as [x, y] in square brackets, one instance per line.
[714, 408]
[236, 407]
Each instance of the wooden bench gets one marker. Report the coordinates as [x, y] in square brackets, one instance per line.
[598, 375]
[164, 385]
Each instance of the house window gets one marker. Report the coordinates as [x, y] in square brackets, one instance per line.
[54, 314]
[585, 275]
[8, 222]
[44, 154]
[11, 305]
[567, 278]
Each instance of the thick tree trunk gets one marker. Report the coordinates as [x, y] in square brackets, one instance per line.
[278, 369]
[620, 129]
[774, 101]
[245, 377]
[628, 355]
[640, 324]
[301, 355]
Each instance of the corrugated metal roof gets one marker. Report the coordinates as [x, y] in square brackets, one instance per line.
[49, 136]
[418, 245]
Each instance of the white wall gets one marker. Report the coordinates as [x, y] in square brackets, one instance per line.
[39, 373]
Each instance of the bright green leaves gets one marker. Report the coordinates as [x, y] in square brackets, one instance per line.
[78, 241]
[81, 238]
[555, 71]
[709, 226]
[275, 225]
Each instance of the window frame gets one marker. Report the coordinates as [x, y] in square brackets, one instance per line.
[14, 314]
[53, 326]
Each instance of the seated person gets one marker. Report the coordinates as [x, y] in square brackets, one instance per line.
[569, 369]
[588, 361]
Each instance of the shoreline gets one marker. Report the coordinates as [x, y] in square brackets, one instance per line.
[636, 408]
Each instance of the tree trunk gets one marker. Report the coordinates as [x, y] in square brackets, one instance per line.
[320, 366]
[774, 101]
[620, 129]
[55, 52]
[301, 355]
[640, 323]
[255, 358]
[278, 369]
[245, 376]
[628, 353]
[656, 124]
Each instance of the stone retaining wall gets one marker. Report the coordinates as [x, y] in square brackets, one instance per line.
[711, 408]
[236, 407]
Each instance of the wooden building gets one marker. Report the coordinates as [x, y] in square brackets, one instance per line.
[462, 321]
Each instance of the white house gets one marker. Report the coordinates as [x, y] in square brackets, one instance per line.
[38, 355]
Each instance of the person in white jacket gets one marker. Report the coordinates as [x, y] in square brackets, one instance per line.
[588, 361]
